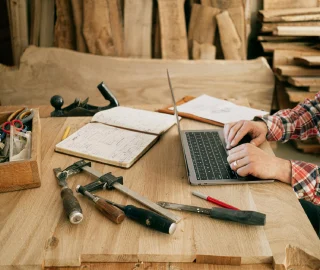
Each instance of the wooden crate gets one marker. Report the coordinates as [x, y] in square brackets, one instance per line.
[17, 175]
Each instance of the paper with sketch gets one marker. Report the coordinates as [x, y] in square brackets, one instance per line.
[107, 144]
[135, 119]
[218, 110]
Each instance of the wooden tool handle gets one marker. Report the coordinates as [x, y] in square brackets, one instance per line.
[71, 206]
[244, 217]
[111, 212]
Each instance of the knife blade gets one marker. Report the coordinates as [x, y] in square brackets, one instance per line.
[243, 217]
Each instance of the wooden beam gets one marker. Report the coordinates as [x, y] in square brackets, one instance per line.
[47, 23]
[296, 71]
[308, 60]
[77, 9]
[283, 15]
[64, 36]
[283, 4]
[202, 26]
[297, 46]
[297, 30]
[230, 40]
[35, 22]
[203, 51]
[296, 96]
[304, 81]
[273, 26]
[285, 39]
[286, 57]
[173, 29]
[137, 28]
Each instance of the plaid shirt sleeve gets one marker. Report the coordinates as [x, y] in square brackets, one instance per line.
[301, 122]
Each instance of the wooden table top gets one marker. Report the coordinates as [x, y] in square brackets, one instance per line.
[35, 233]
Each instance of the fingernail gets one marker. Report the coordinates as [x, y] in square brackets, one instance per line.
[232, 143]
[253, 143]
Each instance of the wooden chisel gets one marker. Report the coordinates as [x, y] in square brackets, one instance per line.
[243, 217]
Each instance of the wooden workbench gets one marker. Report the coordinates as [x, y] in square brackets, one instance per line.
[35, 233]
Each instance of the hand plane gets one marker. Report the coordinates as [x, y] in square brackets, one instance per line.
[78, 108]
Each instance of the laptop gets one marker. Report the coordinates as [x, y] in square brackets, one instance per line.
[205, 155]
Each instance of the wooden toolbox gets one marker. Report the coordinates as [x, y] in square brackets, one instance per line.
[17, 175]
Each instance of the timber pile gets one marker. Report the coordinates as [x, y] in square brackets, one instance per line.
[168, 29]
[289, 37]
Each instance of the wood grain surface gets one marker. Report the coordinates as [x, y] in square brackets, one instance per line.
[45, 72]
[35, 218]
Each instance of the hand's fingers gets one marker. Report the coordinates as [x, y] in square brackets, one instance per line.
[245, 170]
[233, 131]
[238, 164]
[245, 128]
[236, 149]
[259, 140]
[226, 129]
[236, 156]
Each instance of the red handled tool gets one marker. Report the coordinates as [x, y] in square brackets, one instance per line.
[217, 202]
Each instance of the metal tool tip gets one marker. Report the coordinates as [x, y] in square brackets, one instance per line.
[162, 204]
[77, 188]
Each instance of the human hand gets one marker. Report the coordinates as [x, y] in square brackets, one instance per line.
[247, 159]
[235, 131]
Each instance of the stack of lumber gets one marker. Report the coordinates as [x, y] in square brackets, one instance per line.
[168, 29]
[289, 25]
[297, 79]
[289, 37]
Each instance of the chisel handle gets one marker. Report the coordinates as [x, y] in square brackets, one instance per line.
[71, 206]
[244, 217]
[150, 219]
[111, 212]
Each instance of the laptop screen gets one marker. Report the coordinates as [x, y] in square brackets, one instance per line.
[174, 103]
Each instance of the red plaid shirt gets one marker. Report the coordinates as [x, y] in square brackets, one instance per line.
[301, 122]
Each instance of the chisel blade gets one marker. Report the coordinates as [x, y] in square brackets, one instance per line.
[183, 207]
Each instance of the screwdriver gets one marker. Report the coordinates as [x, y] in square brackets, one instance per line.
[111, 212]
[147, 218]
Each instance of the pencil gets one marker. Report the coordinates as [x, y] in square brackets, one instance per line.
[210, 199]
[66, 133]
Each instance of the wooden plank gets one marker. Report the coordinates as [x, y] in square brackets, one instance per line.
[35, 19]
[314, 89]
[147, 84]
[202, 26]
[304, 81]
[295, 14]
[102, 27]
[285, 39]
[64, 36]
[290, 28]
[296, 46]
[174, 43]
[296, 96]
[203, 51]
[222, 4]
[77, 11]
[283, 4]
[18, 28]
[308, 60]
[286, 57]
[47, 24]
[230, 41]
[311, 31]
[137, 28]
[296, 71]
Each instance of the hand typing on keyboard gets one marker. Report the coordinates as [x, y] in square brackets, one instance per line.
[235, 132]
[247, 159]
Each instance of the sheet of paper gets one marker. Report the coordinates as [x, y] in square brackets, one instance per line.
[106, 144]
[135, 119]
[218, 110]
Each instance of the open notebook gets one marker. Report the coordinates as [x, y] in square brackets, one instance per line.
[118, 136]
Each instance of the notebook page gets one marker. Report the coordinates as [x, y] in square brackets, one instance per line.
[106, 144]
[135, 119]
[218, 110]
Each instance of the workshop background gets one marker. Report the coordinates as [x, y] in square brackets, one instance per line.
[200, 30]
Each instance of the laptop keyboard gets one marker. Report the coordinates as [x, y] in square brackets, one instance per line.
[209, 156]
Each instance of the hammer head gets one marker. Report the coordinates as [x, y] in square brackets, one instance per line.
[106, 181]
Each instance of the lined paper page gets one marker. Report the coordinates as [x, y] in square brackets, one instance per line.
[106, 144]
[135, 119]
[218, 110]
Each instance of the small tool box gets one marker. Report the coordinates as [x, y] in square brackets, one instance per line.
[23, 174]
